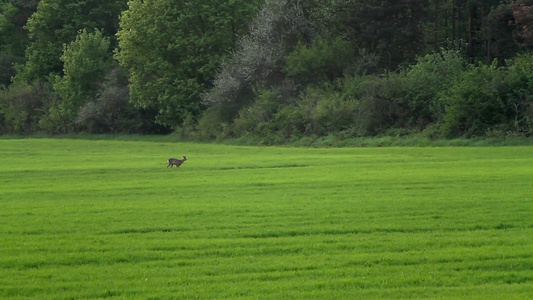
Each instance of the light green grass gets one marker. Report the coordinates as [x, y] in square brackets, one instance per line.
[87, 219]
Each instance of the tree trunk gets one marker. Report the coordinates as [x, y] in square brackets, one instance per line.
[436, 26]
[454, 11]
[472, 14]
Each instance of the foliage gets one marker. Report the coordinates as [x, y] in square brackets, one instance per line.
[269, 118]
[432, 75]
[110, 109]
[315, 112]
[53, 120]
[257, 60]
[7, 68]
[327, 111]
[13, 17]
[380, 102]
[476, 101]
[58, 22]
[391, 29]
[86, 60]
[21, 107]
[441, 94]
[491, 99]
[519, 76]
[272, 71]
[523, 15]
[321, 61]
[172, 48]
[500, 30]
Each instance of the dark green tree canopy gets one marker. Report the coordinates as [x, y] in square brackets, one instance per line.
[86, 60]
[14, 38]
[57, 22]
[282, 68]
[172, 49]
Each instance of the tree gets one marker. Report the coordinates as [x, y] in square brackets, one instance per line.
[523, 15]
[390, 28]
[324, 60]
[173, 48]
[258, 61]
[57, 22]
[498, 31]
[110, 111]
[86, 60]
[21, 107]
[13, 17]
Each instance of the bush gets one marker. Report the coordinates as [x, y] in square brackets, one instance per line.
[263, 117]
[21, 107]
[441, 96]
[7, 69]
[110, 111]
[476, 102]
[210, 125]
[380, 102]
[520, 79]
[426, 80]
[54, 121]
[324, 60]
[326, 111]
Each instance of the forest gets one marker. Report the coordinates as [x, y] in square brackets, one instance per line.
[273, 70]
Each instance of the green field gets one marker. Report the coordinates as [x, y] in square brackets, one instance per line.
[85, 219]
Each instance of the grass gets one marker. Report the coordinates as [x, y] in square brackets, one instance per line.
[92, 219]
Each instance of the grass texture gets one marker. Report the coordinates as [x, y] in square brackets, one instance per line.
[94, 219]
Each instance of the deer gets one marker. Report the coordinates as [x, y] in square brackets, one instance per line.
[176, 162]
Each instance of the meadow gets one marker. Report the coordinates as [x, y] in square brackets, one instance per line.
[93, 219]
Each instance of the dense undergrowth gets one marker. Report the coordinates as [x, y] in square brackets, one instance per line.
[440, 97]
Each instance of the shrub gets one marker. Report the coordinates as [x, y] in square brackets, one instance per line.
[426, 80]
[110, 111]
[21, 107]
[380, 102]
[259, 118]
[326, 111]
[520, 102]
[210, 125]
[323, 60]
[476, 102]
[54, 121]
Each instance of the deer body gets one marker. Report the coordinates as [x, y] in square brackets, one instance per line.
[176, 162]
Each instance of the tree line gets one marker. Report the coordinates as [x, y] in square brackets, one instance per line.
[278, 70]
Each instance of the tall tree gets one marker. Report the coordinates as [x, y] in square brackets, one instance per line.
[13, 16]
[498, 31]
[172, 49]
[258, 59]
[392, 29]
[523, 15]
[57, 22]
[86, 60]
